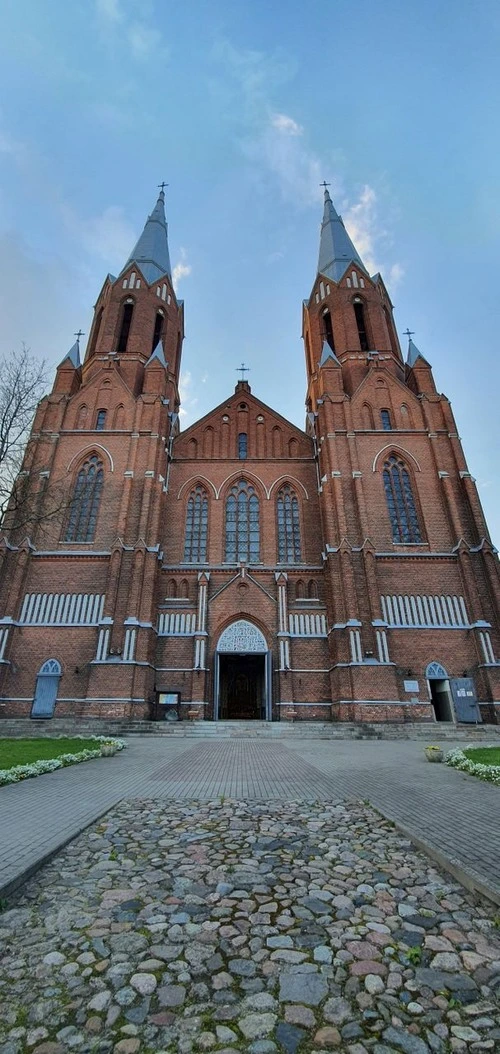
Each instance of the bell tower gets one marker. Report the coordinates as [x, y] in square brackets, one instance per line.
[348, 314]
[400, 514]
[137, 315]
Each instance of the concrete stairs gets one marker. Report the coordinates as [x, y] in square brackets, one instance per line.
[429, 731]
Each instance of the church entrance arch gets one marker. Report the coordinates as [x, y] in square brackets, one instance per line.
[439, 690]
[243, 669]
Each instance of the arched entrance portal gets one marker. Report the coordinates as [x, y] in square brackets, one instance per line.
[242, 674]
[439, 689]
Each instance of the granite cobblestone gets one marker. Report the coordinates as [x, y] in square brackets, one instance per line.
[228, 925]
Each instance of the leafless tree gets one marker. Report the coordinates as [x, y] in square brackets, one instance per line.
[23, 381]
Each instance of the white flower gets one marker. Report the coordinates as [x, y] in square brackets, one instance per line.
[37, 768]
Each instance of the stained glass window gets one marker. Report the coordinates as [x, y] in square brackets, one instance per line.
[400, 502]
[287, 509]
[242, 524]
[195, 544]
[85, 502]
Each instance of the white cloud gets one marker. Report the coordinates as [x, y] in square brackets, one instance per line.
[143, 40]
[277, 147]
[140, 37]
[181, 270]
[280, 151]
[188, 400]
[109, 10]
[286, 124]
[368, 235]
[395, 276]
[108, 235]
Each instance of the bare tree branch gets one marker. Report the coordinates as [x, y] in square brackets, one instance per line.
[27, 498]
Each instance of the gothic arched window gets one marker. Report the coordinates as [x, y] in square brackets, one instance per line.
[385, 417]
[287, 509]
[400, 501]
[85, 502]
[242, 445]
[158, 330]
[100, 420]
[126, 322]
[328, 329]
[195, 543]
[242, 524]
[359, 312]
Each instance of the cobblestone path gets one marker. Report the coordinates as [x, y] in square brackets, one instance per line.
[289, 926]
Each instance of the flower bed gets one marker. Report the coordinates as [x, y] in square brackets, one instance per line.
[459, 760]
[37, 768]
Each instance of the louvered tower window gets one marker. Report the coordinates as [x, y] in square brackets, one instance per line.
[128, 310]
[287, 510]
[85, 502]
[195, 544]
[359, 312]
[328, 329]
[242, 524]
[400, 501]
[159, 320]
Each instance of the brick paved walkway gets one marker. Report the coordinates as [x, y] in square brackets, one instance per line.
[453, 814]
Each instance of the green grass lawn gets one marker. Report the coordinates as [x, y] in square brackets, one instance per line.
[24, 751]
[483, 755]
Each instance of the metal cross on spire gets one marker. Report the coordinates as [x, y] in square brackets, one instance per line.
[78, 335]
[242, 369]
[325, 184]
[409, 333]
[162, 186]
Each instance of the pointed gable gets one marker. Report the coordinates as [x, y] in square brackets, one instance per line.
[269, 435]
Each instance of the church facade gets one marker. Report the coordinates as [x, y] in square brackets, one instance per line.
[245, 568]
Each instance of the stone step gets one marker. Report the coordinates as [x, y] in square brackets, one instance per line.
[429, 731]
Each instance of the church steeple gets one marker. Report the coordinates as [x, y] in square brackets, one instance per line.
[151, 251]
[336, 250]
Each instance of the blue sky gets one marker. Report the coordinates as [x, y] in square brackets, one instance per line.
[244, 108]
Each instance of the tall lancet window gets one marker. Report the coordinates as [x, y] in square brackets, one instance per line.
[126, 322]
[195, 543]
[359, 312]
[158, 330]
[85, 502]
[400, 501]
[242, 446]
[287, 510]
[328, 329]
[242, 524]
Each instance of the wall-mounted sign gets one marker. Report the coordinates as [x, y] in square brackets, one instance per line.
[168, 698]
[411, 686]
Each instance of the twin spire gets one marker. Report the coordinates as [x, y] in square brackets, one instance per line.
[336, 250]
[151, 251]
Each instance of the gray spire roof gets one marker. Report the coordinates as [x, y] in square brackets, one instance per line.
[336, 250]
[326, 354]
[414, 354]
[151, 252]
[157, 355]
[73, 356]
